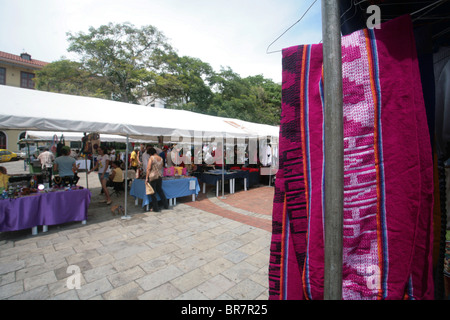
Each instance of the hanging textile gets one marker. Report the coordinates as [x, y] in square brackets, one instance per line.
[388, 172]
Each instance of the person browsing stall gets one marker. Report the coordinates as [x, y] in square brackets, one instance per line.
[65, 165]
[4, 179]
[145, 158]
[103, 171]
[116, 174]
[154, 176]
[46, 158]
[163, 154]
[134, 159]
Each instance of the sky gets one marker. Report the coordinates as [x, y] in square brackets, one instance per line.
[232, 33]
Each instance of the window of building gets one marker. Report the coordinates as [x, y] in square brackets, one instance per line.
[2, 76]
[26, 80]
[22, 135]
[25, 56]
[3, 140]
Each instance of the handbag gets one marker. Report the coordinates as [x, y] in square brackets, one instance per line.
[148, 188]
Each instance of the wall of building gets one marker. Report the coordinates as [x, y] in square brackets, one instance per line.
[12, 137]
[13, 71]
[12, 76]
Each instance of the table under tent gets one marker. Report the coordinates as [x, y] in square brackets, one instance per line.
[34, 110]
[34, 143]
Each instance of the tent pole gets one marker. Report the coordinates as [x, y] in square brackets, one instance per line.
[334, 163]
[126, 216]
[85, 166]
[223, 166]
[87, 169]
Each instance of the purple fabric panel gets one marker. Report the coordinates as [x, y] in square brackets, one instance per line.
[401, 160]
[17, 214]
[422, 261]
[388, 176]
[64, 206]
[313, 144]
[44, 209]
[288, 233]
[408, 164]
[294, 289]
[293, 185]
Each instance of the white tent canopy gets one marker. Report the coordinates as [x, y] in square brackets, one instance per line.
[44, 111]
[77, 136]
[26, 109]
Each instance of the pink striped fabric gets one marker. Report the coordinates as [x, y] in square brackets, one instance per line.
[388, 172]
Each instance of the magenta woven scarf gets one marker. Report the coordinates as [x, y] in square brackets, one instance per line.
[388, 172]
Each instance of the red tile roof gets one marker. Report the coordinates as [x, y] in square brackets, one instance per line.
[9, 57]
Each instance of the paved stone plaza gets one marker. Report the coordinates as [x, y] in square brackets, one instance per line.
[209, 249]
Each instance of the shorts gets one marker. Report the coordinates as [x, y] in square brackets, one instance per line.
[106, 176]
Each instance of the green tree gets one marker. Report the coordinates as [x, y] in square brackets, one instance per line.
[268, 96]
[191, 83]
[128, 58]
[228, 84]
[254, 98]
[65, 76]
[125, 63]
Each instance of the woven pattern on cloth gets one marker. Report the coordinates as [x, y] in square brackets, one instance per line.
[388, 172]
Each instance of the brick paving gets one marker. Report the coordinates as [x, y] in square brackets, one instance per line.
[209, 249]
[249, 207]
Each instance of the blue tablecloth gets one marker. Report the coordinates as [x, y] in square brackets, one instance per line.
[172, 187]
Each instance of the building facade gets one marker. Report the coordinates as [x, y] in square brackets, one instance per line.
[16, 71]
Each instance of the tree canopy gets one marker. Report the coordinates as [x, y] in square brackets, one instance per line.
[125, 63]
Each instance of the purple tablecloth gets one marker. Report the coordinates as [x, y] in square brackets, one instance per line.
[44, 209]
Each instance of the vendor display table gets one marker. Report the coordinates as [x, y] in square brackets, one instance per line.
[269, 171]
[44, 209]
[253, 178]
[173, 187]
[214, 177]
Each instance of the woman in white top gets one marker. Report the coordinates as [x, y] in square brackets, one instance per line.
[103, 171]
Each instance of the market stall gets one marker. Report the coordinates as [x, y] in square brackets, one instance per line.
[215, 177]
[173, 187]
[44, 111]
[244, 176]
[43, 208]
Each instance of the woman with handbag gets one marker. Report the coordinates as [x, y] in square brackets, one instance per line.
[154, 176]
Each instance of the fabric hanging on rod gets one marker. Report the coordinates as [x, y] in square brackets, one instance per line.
[388, 172]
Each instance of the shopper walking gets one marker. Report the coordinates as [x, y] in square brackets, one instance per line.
[103, 171]
[154, 176]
